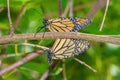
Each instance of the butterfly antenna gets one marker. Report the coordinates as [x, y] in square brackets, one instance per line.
[44, 33]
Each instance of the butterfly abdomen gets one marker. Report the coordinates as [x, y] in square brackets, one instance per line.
[50, 54]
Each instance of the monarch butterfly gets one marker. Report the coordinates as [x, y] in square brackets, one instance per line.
[66, 48]
[65, 24]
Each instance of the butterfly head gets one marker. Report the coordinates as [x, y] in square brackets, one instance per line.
[45, 22]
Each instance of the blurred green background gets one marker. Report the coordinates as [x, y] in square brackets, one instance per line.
[103, 57]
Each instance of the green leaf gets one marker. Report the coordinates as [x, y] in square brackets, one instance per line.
[30, 20]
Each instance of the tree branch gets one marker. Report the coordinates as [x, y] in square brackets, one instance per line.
[9, 18]
[57, 35]
[22, 61]
[97, 6]
[17, 20]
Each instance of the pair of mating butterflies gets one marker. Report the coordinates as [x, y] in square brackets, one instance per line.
[66, 48]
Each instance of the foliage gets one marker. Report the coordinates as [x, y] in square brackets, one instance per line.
[104, 57]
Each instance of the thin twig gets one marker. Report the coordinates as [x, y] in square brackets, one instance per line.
[3, 56]
[20, 62]
[62, 35]
[70, 8]
[97, 6]
[47, 73]
[64, 70]
[66, 10]
[17, 20]
[20, 54]
[34, 45]
[81, 62]
[10, 21]
[106, 9]
[60, 7]
[82, 6]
